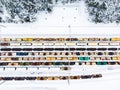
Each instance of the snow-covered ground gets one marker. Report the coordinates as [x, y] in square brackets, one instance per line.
[109, 81]
[58, 22]
[61, 21]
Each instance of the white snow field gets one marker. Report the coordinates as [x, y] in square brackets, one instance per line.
[61, 21]
[110, 80]
[58, 22]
